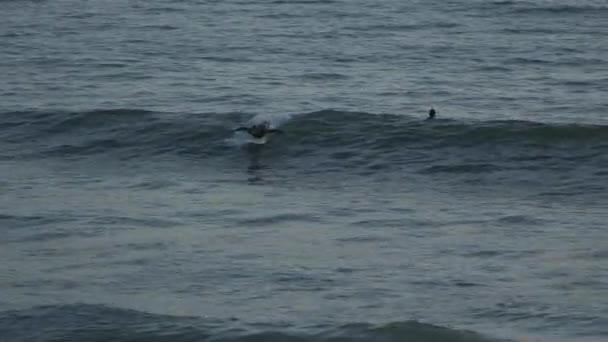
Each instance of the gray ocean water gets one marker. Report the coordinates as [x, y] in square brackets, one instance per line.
[130, 210]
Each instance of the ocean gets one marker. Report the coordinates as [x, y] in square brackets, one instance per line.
[131, 210]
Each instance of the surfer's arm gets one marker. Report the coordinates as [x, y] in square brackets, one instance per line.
[275, 131]
[241, 129]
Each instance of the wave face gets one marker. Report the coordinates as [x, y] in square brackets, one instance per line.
[329, 142]
[139, 133]
[100, 323]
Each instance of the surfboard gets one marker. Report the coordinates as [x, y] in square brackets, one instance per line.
[258, 141]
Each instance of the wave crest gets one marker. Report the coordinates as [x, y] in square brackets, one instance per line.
[138, 133]
[81, 322]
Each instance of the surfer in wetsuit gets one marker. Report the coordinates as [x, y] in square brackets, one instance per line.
[259, 130]
[432, 114]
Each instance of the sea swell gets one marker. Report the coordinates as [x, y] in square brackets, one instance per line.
[526, 7]
[128, 133]
[326, 141]
[80, 322]
[151, 133]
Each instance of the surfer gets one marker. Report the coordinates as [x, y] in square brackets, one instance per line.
[432, 114]
[259, 130]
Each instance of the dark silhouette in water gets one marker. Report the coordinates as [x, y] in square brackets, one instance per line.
[259, 130]
[432, 114]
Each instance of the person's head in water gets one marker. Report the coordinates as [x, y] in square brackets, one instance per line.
[432, 113]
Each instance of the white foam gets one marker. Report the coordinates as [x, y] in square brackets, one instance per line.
[274, 120]
[242, 138]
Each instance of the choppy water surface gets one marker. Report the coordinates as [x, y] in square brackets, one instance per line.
[130, 210]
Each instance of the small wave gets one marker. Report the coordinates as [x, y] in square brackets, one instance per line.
[555, 9]
[374, 223]
[356, 138]
[154, 184]
[494, 68]
[133, 132]
[531, 30]
[81, 120]
[322, 76]
[523, 60]
[133, 222]
[504, 3]
[81, 322]
[527, 7]
[17, 221]
[461, 168]
[303, 2]
[166, 9]
[387, 27]
[280, 218]
[514, 220]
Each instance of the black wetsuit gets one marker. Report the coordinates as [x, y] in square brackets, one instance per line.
[258, 131]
